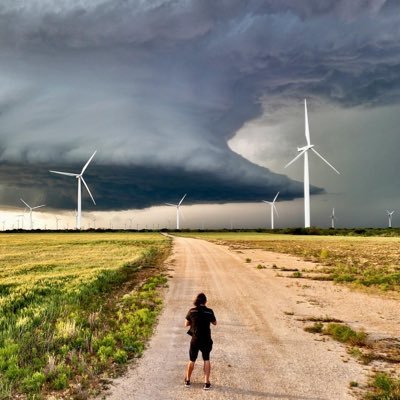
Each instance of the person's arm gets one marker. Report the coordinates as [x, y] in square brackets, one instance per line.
[188, 319]
[213, 319]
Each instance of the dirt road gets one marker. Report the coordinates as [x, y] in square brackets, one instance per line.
[260, 349]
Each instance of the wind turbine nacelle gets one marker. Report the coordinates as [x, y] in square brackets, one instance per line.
[308, 147]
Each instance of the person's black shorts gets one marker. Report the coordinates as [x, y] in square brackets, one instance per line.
[204, 347]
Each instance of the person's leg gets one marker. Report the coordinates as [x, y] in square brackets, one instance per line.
[207, 371]
[206, 350]
[189, 370]
[193, 352]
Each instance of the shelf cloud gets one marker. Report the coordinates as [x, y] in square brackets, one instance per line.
[159, 88]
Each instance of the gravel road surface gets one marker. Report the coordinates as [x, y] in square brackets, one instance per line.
[260, 350]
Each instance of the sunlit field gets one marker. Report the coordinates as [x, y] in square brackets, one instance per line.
[366, 261]
[72, 306]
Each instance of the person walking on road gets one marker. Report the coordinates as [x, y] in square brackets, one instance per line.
[199, 319]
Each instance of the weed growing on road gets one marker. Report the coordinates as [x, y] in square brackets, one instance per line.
[344, 334]
[316, 328]
[297, 274]
[384, 387]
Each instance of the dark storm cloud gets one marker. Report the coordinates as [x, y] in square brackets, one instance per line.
[118, 187]
[160, 87]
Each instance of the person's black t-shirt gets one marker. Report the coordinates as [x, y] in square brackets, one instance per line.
[200, 318]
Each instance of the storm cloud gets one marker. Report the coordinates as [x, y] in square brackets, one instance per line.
[159, 88]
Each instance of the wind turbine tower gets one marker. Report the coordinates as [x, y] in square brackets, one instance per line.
[177, 210]
[273, 208]
[303, 151]
[80, 179]
[333, 219]
[30, 211]
[22, 221]
[390, 214]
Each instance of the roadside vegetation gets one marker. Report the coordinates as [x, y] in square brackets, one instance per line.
[74, 308]
[384, 385]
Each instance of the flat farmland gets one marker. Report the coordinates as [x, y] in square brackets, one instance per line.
[67, 302]
[361, 261]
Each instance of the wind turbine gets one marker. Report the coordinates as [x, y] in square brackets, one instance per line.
[22, 220]
[273, 208]
[57, 219]
[333, 219]
[304, 151]
[389, 214]
[30, 211]
[177, 210]
[79, 177]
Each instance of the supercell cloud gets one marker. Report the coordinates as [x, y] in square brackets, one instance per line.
[159, 88]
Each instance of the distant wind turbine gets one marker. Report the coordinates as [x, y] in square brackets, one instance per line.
[390, 214]
[30, 211]
[333, 218]
[22, 220]
[57, 219]
[273, 208]
[177, 210]
[79, 177]
[304, 151]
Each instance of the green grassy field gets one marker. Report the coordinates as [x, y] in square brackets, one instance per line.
[364, 261]
[73, 307]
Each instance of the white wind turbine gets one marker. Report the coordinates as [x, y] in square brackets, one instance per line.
[30, 211]
[57, 220]
[304, 151]
[273, 208]
[22, 220]
[333, 218]
[177, 210]
[79, 177]
[390, 214]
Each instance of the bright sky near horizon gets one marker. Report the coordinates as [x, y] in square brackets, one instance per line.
[204, 98]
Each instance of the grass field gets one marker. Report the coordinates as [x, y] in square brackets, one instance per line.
[365, 261]
[73, 307]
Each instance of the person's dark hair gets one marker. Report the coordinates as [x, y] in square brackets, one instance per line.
[200, 299]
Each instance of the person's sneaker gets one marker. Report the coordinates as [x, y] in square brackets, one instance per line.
[207, 386]
[187, 383]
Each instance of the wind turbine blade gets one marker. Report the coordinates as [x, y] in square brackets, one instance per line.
[323, 159]
[172, 205]
[296, 158]
[87, 188]
[275, 197]
[64, 173]
[25, 203]
[86, 165]
[307, 128]
[276, 211]
[265, 201]
[43, 205]
[182, 200]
